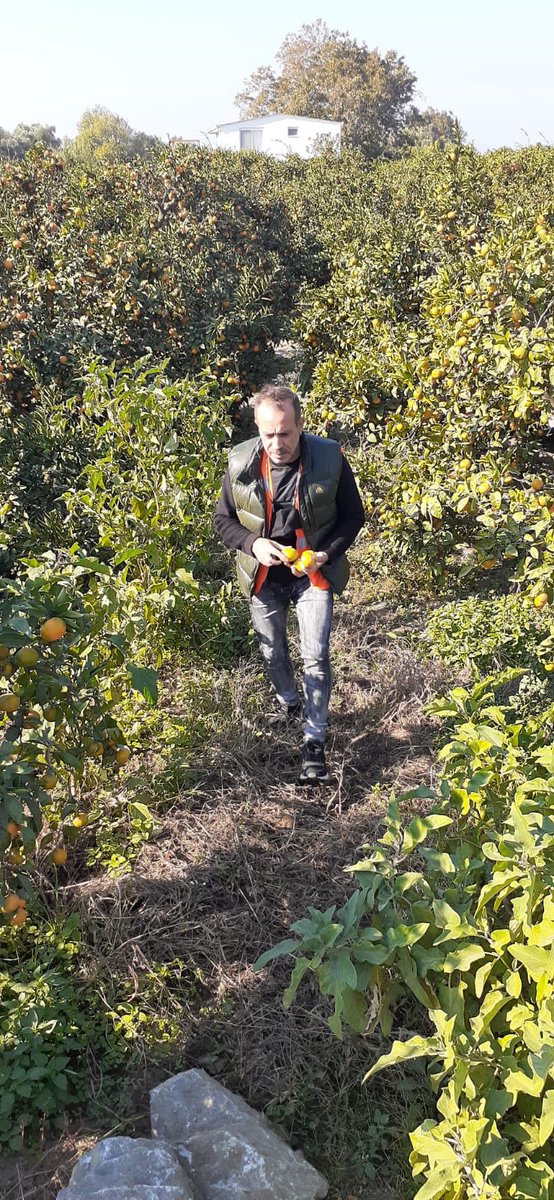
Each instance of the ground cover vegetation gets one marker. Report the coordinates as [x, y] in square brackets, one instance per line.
[147, 854]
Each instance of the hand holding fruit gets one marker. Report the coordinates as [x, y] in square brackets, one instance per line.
[269, 553]
[309, 560]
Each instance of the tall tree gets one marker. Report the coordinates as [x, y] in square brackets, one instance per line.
[325, 73]
[103, 137]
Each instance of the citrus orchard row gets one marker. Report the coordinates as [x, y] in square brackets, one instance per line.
[55, 723]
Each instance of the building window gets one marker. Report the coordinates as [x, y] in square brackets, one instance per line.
[251, 139]
[292, 131]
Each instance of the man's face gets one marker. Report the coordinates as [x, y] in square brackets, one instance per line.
[279, 432]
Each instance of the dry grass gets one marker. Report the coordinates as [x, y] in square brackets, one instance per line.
[239, 856]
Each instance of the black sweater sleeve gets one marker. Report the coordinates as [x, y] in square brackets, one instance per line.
[350, 518]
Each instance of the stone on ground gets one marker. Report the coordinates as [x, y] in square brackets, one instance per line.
[231, 1150]
[123, 1168]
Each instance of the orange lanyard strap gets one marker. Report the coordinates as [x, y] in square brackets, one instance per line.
[317, 579]
[268, 482]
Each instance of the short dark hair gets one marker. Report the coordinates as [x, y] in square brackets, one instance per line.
[279, 395]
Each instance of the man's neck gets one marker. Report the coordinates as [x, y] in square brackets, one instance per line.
[278, 466]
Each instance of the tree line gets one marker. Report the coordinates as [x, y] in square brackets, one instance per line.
[320, 73]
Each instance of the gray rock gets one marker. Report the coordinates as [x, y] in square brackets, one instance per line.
[231, 1150]
[250, 1164]
[193, 1101]
[122, 1168]
[133, 1191]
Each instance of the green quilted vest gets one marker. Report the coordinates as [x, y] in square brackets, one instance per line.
[321, 469]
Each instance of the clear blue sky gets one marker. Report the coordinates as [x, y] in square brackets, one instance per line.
[173, 67]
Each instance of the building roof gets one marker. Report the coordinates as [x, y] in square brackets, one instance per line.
[255, 122]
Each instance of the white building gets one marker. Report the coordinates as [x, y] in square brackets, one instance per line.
[278, 135]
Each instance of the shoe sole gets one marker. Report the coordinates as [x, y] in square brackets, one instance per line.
[314, 779]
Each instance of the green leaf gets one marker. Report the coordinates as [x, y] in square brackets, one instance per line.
[354, 1009]
[439, 1183]
[478, 781]
[414, 1047]
[522, 830]
[499, 883]
[445, 916]
[420, 988]
[14, 809]
[536, 959]
[298, 974]
[490, 736]
[145, 681]
[93, 566]
[409, 879]
[494, 1150]
[335, 974]
[493, 1003]
[439, 861]
[546, 1124]
[497, 1103]
[404, 935]
[350, 913]
[419, 827]
[463, 959]
[287, 946]
[187, 578]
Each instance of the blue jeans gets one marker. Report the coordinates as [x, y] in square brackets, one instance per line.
[314, 610]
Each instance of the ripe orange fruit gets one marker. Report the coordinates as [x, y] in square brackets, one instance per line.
[53, 629]
[27, 656]
[122, 756]
[12, 828]
[290, 552]
[489, 563]
[9, 702]
[307, 559]
[59, 856]
[19, 917]
[11, 903]
[540, 600]
[537, 485]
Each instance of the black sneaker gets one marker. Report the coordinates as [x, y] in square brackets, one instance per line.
[287, 713]
[314, 767]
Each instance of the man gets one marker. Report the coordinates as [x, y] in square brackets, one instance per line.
[290, 489]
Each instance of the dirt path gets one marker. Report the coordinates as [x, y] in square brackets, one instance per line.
[238, 857]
